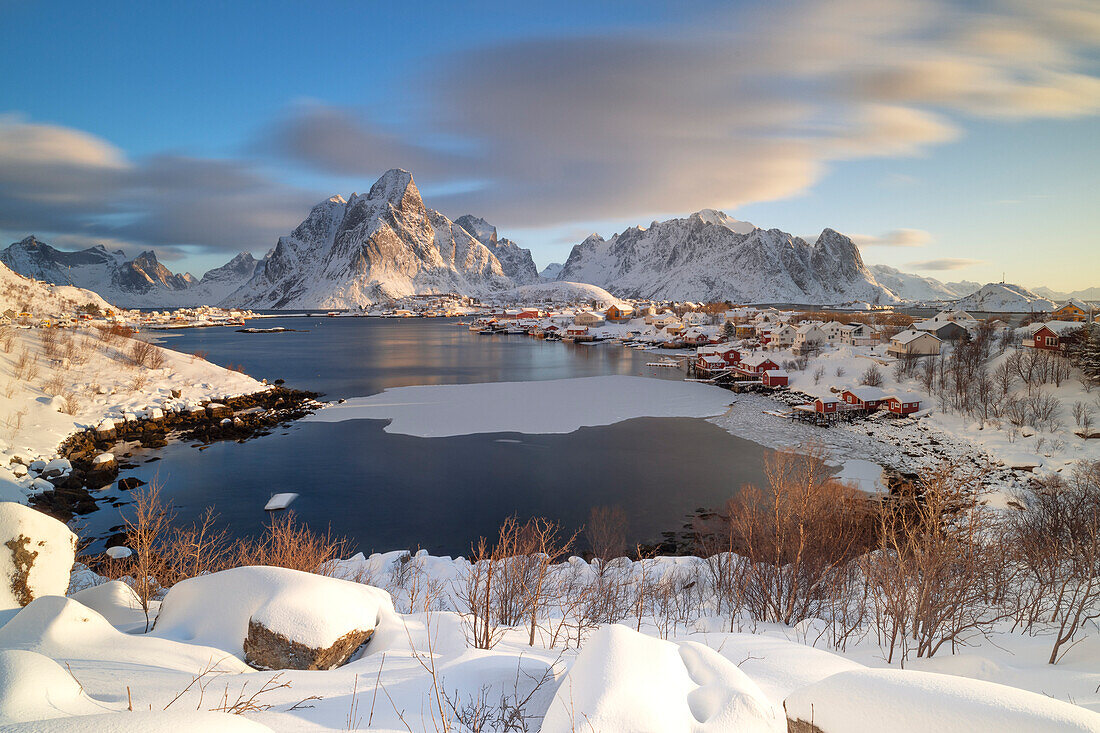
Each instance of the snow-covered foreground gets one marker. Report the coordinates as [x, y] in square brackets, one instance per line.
[54, 383]
[85, 655]
[551, 406]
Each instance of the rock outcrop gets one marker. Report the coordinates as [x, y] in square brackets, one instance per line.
[36, 555]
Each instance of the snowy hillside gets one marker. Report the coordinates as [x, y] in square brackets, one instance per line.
[140, 282]
[908, 286]
[371, 248]
[22, 294]
[709, 256]
[551, 271]
[1005, 298]
[558, 292]
[514, 260]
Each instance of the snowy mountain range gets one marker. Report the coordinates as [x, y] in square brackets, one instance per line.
[375, 247]
[1088, 294]
[130, 283]
[711, 256]
[1005, 298]
[908, 286]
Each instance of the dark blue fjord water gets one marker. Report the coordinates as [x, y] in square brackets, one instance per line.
[388, 491]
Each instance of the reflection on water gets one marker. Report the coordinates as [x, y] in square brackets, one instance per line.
[396, 491]
[353, 357]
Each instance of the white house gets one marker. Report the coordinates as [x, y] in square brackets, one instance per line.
[589, 318]
[809, 333]
[914, 343]
[859, 334]
[782, 336]
[833, 330]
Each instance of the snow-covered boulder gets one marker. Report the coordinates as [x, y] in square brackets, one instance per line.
[35, 687]
[103, 470]
[275, 618]
[39, 486]
[36, 555]
[904, 701]
[56, 467]
[628, 682]
[143, 721]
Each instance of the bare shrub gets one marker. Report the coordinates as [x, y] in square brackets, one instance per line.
[145, 531]
[141, 352]
[934, 578]
[287, 544]
[1057, 540]
[872, 377]
[797, 534]
[50, 347]
[508, 583]
[606, 532]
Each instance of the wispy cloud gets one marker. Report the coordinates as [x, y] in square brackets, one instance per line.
[894, 238]
[945, 263]
[746, 106]
[84, 190]
[752, 104]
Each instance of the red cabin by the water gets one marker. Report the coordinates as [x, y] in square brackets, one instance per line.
[903, 404]
[775, 378]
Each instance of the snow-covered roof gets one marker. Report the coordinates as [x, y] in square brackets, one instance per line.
[910, 335]
[866, 393]
[1057, 327]
[755, 359]
[777, 373]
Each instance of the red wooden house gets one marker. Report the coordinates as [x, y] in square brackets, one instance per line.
[1051, 336]
[903, 403]
[755, 364]
[775, 378]
[864, 397]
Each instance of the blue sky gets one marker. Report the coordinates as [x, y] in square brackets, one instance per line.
[958, 140]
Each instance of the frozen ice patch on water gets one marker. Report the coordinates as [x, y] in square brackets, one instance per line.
[552, 406]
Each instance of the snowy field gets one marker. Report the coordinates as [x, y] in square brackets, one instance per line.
[551, 406]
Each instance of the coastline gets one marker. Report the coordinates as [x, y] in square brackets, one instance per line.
[237, 418]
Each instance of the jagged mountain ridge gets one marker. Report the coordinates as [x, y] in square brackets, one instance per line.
[516, 261]
[369, 249]
[141, 282]
[710, 256]
[908, 286]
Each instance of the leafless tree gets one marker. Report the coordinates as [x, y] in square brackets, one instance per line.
[1058, 543]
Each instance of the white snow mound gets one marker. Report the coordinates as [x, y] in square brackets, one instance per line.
[904, 701]
[143, 721]
[313, 610]
[53, 547]
[551, 406]
[33, 687]
[630, 683]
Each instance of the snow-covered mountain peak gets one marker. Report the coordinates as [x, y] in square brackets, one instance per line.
[704, 257]
[482, 230]
[721, 218]
[397, 187]
[386, 244]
